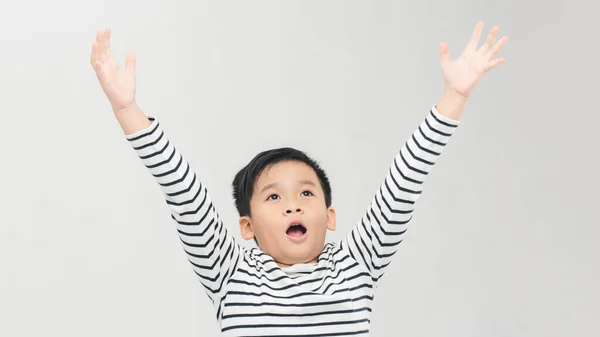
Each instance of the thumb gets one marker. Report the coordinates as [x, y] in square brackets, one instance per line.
[444, 52]
[130, 63]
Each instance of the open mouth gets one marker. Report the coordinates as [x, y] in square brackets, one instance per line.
[296, 230]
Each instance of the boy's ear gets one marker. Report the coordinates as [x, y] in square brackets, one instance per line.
[246, 229]
[331, 220]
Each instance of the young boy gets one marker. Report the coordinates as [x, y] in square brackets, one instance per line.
[294, 284]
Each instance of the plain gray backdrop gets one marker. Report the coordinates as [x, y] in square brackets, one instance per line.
[504, 241]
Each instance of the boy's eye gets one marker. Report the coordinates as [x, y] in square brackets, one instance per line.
[305, 194]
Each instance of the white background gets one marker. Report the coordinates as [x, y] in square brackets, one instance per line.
[504, 241]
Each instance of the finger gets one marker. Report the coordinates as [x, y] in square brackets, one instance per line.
[101, 52]
[494, 63]
[490, 39]
[107, 37]
[99, 38]
[94, 55]
[106, 44]
[103, 38]
[100, 46]
[497, 47]
[444, 52]
[475, 36]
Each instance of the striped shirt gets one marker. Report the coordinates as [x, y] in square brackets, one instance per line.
[251, 294]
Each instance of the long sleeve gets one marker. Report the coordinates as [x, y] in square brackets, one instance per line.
[211, 250]
[375, 238]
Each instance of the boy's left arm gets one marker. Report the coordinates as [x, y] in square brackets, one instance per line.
[375, 239]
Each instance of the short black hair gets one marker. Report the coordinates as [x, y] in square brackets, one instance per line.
[243, 183]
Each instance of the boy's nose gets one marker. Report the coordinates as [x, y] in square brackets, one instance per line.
[290, 210]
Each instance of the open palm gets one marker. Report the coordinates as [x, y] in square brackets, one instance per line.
[118, 83]
[463, 74]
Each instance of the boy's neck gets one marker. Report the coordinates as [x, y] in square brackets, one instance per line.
[284, 265]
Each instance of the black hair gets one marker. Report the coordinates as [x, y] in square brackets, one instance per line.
[243, 183]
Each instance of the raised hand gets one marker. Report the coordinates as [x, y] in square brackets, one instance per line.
[462, 75]
[118, 83]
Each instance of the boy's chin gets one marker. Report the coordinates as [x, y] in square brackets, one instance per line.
[298, 254]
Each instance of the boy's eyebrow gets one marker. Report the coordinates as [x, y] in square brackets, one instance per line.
[302, 182]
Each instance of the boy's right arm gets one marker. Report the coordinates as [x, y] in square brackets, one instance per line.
[212, 252]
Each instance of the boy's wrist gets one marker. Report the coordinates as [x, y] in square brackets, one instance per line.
[132, 119]
[451, 104]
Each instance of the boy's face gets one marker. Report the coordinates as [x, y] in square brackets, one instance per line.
[285, 194]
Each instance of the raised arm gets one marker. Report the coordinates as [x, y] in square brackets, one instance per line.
[375, 238]
[212, 252]
[210, 249]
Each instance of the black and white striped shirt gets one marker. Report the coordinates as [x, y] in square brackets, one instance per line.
[251, 294]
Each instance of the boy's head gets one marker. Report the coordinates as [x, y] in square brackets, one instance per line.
[283, 198]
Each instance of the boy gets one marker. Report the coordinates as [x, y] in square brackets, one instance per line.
[294, 284]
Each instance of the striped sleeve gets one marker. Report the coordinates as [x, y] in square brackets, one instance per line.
[375, 238]
[212, 252]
